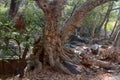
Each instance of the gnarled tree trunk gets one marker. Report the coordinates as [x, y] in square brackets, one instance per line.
[53, 47]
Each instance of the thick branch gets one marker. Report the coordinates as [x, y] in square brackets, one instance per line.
[78, 17]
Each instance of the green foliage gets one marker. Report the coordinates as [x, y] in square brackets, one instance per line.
[110, 26]
[96, 16]
[34, 21]
[7, 31]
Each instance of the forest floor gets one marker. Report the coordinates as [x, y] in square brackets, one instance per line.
[96, 70]
[49, 74]
[102, 63]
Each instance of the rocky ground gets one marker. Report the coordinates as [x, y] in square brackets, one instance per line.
[106, 54]
[98, 62]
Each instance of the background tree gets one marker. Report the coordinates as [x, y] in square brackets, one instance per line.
[14, 7]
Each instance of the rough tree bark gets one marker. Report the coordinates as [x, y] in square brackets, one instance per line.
[52, 43]
[53, 49]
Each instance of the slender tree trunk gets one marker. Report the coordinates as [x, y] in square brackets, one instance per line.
[107, 18]
[94, 27]
[14, 6]
[105, 29]
[115, 32]
[18, 19]
[117, 39]
[112, 36]
[98, 29]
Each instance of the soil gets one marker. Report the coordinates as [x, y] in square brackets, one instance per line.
[50, 74]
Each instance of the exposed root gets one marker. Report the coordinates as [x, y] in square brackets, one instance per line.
[63, 68]
[76, 58]
[66, 60]
[92, 61]
[51, 60]
[67, 63]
